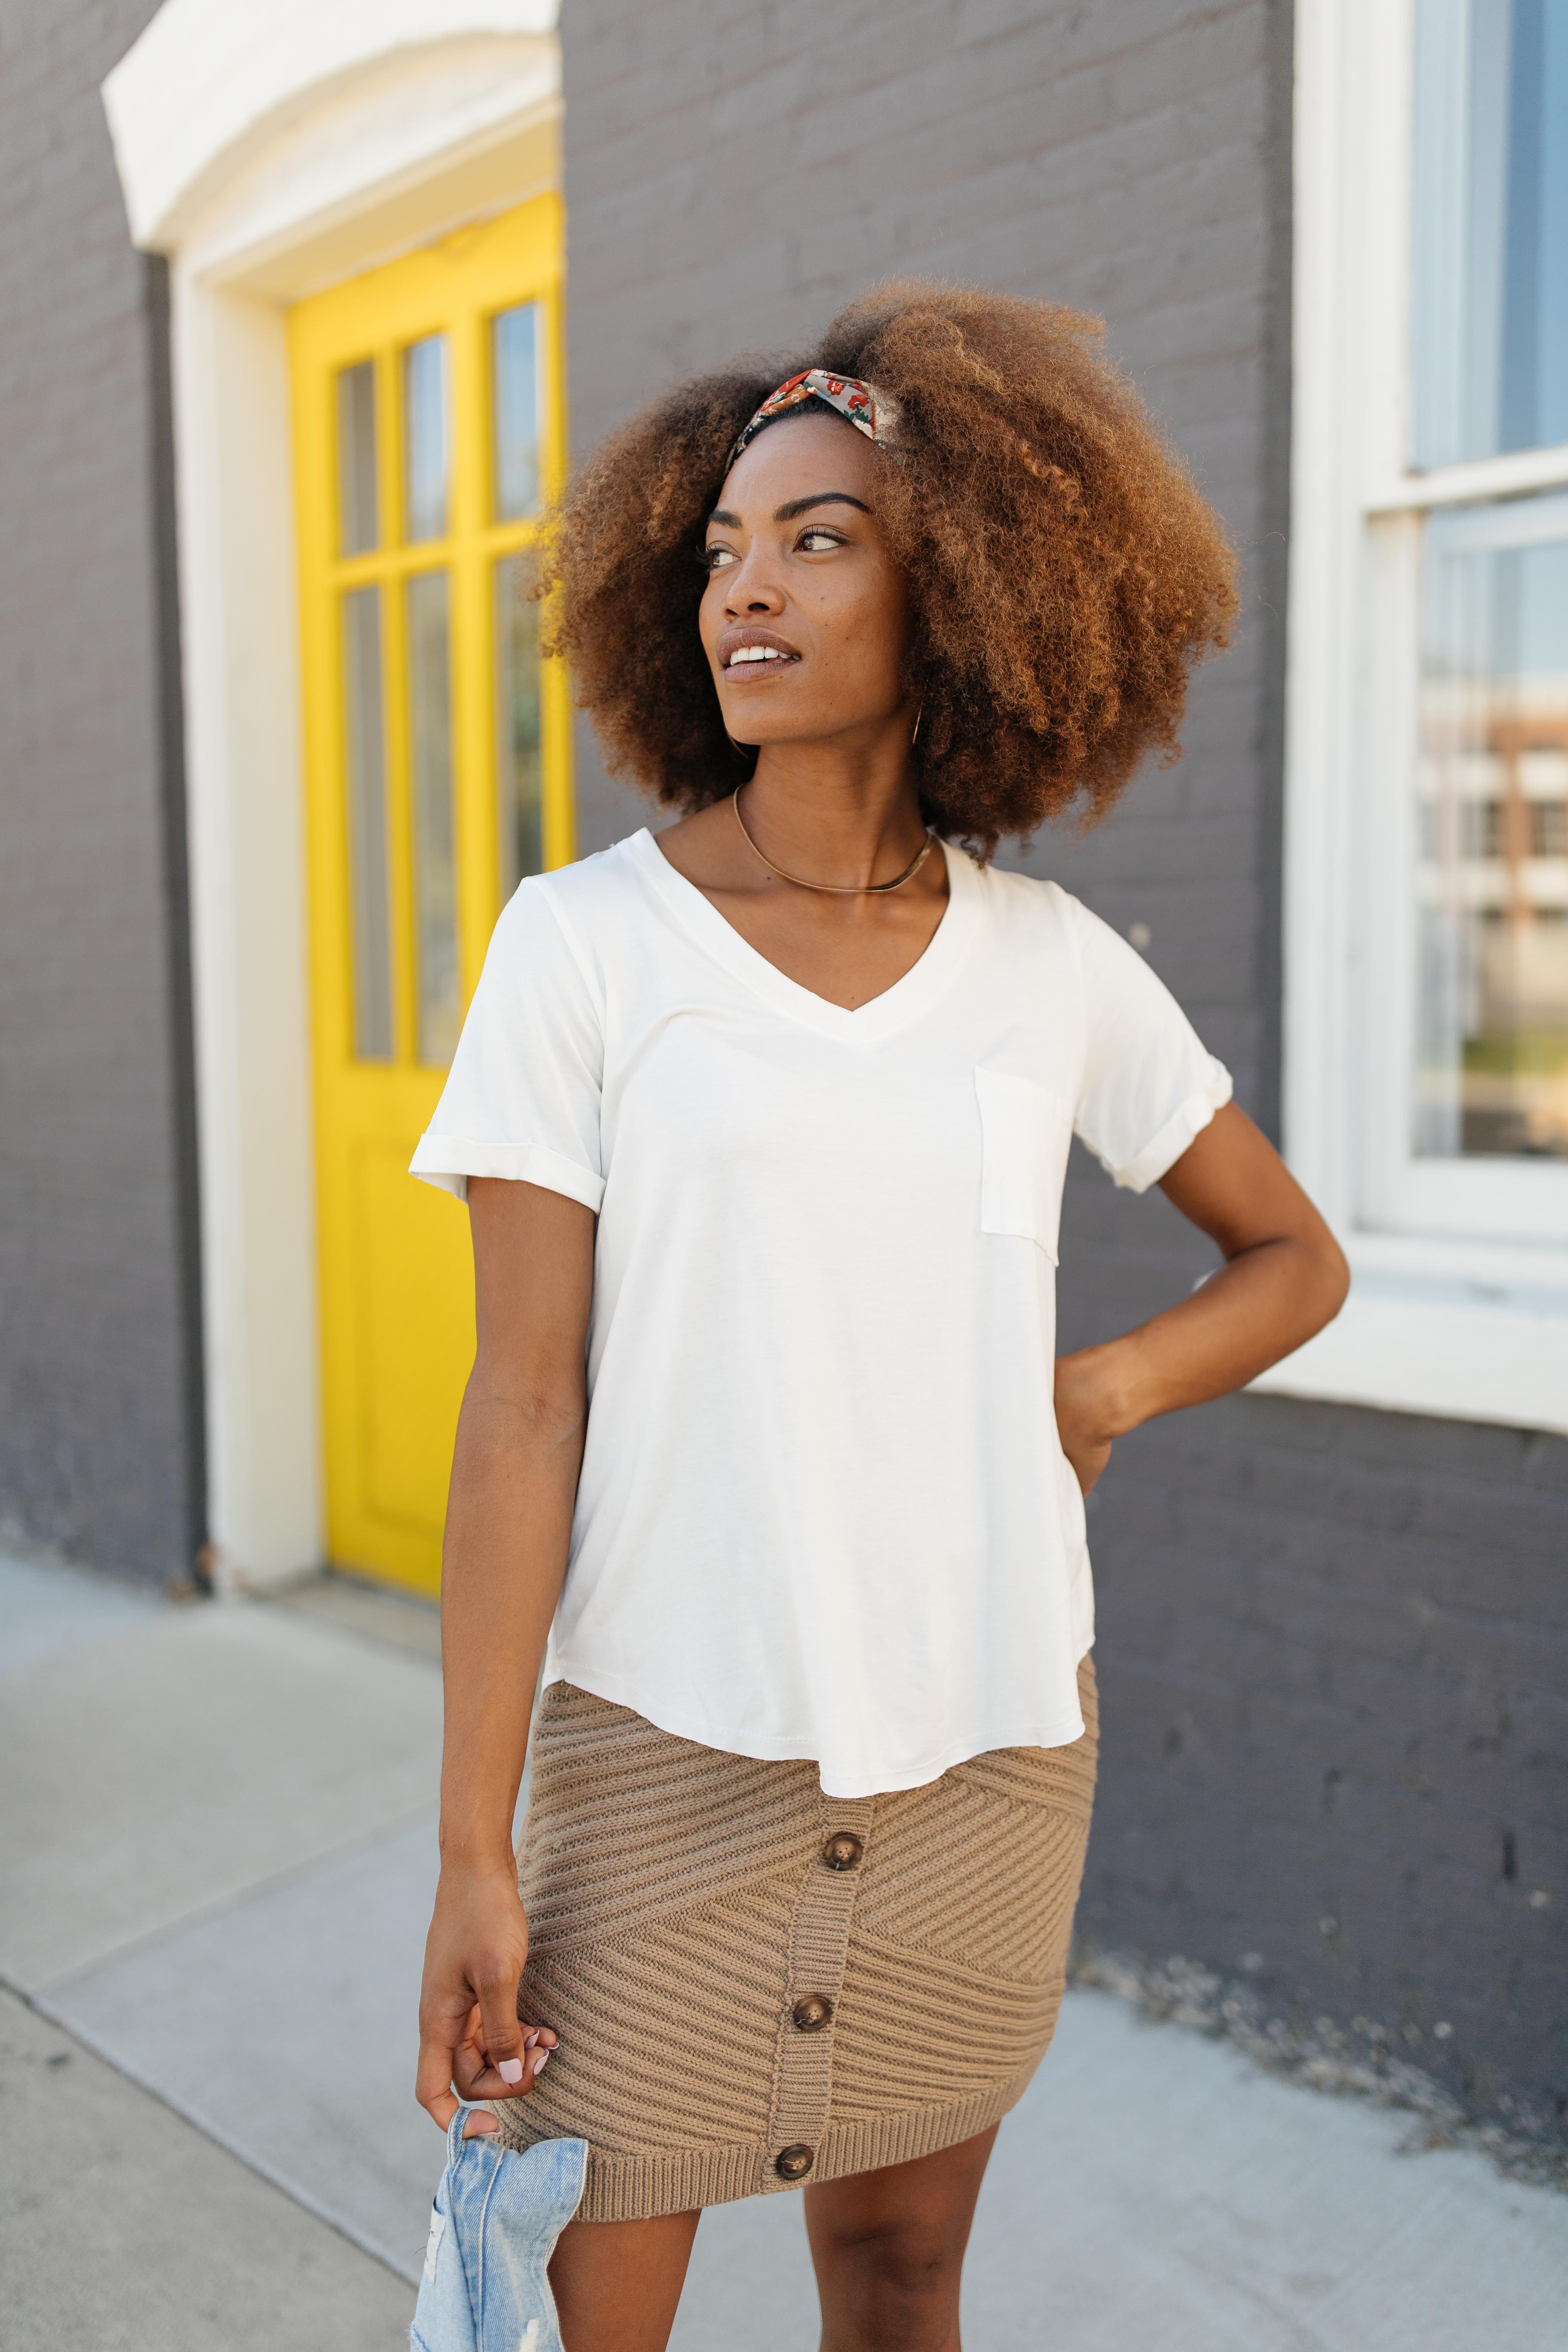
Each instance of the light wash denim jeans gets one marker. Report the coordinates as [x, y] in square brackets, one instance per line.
[493, 2228]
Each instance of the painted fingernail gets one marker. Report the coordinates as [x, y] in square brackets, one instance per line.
[510, 2070]
[530, 2037]
[540, 2060]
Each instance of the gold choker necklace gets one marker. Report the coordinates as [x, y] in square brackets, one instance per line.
[838, 889]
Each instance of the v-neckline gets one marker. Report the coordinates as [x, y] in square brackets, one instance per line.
[909, 996]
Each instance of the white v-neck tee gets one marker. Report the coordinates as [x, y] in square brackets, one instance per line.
[824, 1511]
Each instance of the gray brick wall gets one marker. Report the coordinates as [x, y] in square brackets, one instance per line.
[100, 1429]
[1337, 1668]
[1333, 1645]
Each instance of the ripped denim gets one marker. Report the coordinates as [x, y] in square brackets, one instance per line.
[493, 2227]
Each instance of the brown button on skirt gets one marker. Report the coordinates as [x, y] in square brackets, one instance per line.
[755, 1985]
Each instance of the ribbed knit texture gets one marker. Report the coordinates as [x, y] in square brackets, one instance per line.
[680, 1906]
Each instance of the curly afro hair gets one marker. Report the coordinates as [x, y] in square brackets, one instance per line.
[1066, 572]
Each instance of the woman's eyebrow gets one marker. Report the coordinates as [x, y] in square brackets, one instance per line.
[787, 513]
[823, 498]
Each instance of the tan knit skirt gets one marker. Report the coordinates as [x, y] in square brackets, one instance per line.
[754, 1985]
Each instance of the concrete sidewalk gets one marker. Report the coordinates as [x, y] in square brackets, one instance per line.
[216, 1852]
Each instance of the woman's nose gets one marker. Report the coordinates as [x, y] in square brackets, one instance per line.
[751, 591]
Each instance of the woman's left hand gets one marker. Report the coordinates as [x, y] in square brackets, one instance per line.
[1081, 1415]
[1284, 1278]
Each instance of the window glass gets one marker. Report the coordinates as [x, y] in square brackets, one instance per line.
[518, 770]
[425, 439]
[359, 526]
[1489, 308]
[430, 782]
[515, 405]
[369, 927]
[1492, 840]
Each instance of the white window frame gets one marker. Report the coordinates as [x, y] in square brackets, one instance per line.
[1459, 1301]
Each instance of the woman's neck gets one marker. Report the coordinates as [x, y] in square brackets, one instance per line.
[836, 814]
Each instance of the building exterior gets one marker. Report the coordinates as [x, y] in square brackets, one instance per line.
[288, 386]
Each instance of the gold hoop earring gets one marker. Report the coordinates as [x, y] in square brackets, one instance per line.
[920, 714]
[742, 751]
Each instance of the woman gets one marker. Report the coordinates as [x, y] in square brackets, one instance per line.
[815, 1751]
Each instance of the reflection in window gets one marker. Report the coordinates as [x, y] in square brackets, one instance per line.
[516, 407]
[358, 525]
[369, 924]
[430, 783]
[519, 769]
[1492, 875]
[425, 439]
[1490, 200]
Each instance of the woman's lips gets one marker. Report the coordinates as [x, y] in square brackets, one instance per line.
[744, 671]
[741, 650]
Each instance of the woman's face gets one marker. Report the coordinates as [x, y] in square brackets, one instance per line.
[806, 616]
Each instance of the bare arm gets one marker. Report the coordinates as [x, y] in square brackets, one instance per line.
[1284, 1278]
[508, 1521]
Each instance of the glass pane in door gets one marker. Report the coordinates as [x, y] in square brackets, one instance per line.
[515, 405]
[359, 527]
[1493, 871]
[426, 454]
[370, 927]
[518, 769]
[430, 784]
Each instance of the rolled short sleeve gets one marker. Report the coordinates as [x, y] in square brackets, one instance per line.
[521, 1098]
[1149, 1086]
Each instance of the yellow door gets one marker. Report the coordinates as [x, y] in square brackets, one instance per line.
[428, 434]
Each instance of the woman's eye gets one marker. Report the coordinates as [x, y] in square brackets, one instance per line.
[815, 540]
[715, 558]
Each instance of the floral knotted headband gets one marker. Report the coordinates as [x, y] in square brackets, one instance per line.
[845, 394]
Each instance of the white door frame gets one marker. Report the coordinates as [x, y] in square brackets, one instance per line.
[271, 148]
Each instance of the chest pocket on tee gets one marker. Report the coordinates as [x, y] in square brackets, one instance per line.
[1025, 1132]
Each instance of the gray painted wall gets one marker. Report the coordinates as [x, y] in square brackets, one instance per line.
[1333, 1645]
[99, 1373]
